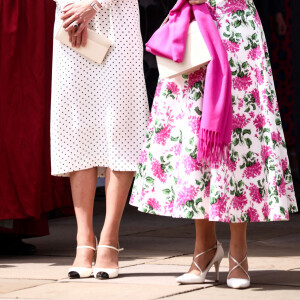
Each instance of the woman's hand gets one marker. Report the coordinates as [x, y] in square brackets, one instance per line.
[197, 2]
[79, 14]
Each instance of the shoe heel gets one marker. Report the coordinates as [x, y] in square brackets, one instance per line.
[217, 268]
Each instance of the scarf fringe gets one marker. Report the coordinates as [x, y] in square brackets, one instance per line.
[212, 151]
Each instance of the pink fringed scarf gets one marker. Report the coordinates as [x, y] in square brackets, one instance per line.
[216, 122]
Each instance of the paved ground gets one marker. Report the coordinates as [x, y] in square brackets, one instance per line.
[157, 251]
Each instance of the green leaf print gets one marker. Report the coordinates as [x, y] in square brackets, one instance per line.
[252, 24]
[245, 65]
[180, 136]
[158, 129]
[235, 142]
[240, 13]
[197, 96]
[213, 3]
[248, 142]
[197, 85]
[202, 209]
[292, 209]
[237, 23]
[149, 180]
[284, 144]
[231, 62]
[174, 139]
[166, 191]
[278, 122]
[254, 36]
[267, 139]
[198, 111]
[190, 215]
[185, 76]
[194, 153]
[198, 201]
[282, 210]
[247, 47]
[191, 204]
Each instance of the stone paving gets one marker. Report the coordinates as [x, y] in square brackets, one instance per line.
[157, 250]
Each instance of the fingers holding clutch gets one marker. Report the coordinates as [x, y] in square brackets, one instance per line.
[84, 36]
[76, 39]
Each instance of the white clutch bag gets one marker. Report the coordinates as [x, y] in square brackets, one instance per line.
[95, 49]
[196, 56]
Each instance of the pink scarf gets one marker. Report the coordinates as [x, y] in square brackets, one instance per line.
[216, 121]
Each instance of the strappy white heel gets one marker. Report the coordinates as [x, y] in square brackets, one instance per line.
[105, 273]
[82, 272]
[238, 283]
[190, 278]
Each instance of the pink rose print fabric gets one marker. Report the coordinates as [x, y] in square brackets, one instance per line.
[256, 184]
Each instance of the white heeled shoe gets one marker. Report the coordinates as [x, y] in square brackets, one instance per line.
[238, 283]
[82, 272]
[105, 273]
[190, 278]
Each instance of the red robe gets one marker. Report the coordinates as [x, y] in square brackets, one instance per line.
[27, 191]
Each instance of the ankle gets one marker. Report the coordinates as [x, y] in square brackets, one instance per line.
[238, 251]
[86, 239]
[205, 244]
[109, 238]
[109, 242]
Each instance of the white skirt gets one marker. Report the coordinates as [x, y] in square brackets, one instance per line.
[99, 113]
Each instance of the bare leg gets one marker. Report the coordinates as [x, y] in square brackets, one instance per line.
[205, 239]
[83, 185]
[238, 248]
[117, 185]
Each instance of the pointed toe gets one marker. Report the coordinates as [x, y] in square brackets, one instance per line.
[73, 275]
[238, 283]
[190, 278]
[79, 272]
[102, 275]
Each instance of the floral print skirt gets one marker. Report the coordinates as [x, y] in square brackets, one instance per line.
[256, 183]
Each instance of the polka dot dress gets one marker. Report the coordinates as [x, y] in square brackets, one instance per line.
[99, 113]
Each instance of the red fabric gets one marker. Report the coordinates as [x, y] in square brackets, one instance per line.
[26, 187]
[25, 228]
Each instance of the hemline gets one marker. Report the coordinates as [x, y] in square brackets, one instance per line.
[169, 215]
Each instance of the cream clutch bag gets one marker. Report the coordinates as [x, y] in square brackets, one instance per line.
[96, 48]
[192, 60]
